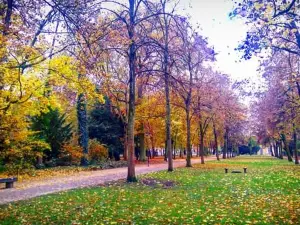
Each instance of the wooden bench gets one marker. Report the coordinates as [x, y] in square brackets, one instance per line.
[236, 171]
[9, 182]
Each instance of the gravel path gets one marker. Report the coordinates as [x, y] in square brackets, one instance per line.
[27, 190]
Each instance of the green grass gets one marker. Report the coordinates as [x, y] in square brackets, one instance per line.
[268, 194]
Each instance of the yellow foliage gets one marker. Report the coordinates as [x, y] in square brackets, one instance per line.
[23, 155]
[64, 73]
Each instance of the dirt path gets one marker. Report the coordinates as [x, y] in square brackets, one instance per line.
[26, 190]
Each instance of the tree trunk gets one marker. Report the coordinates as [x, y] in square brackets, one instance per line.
[165, 152]
[153, 145]
[8, 15]
[201, 132]
[225, 149]
[39, 160]
[141, 140]
[174, 148]
[293, 25]
[167, 90]
[280, 150]
[83, 139]
[271, 150]
[141, 135]
[286, 147]
[131, 109]
[275, 149]
[5, 31]
[228, 150]
[125, 154]
[295, 144]
[188, 119]
[188, 138]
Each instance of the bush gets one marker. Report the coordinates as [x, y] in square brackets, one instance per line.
[21, 168]
[71, 155]
[97, 151]
[22, 156]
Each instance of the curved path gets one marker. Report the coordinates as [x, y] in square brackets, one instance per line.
[27, 190]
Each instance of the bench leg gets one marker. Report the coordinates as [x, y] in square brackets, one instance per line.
[9, 184]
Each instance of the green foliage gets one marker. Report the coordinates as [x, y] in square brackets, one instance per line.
[245, 150]
[253, 146]
[201, 195]
[53, 129]
[107, 128]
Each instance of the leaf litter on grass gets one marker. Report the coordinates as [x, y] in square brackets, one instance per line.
[200, 195]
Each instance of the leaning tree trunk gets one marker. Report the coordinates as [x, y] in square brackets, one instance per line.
[286, 147]
[131, 109]
[295, 144]
[83, 139]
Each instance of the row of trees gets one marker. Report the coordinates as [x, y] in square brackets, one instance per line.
[150, 64]
[275, 37]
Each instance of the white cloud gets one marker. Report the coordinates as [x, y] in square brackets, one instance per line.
[224, 34]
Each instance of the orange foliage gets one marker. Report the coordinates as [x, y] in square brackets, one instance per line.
[97, 151]
[72, 153]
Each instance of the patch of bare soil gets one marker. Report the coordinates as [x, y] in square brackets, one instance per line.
[151, 182]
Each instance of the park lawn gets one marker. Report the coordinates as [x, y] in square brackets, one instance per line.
[268, 194]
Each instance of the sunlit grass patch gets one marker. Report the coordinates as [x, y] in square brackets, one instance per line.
[204, 194]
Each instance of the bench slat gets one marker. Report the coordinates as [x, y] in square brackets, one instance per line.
[8, 180]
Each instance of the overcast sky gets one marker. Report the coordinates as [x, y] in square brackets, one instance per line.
[223, 33]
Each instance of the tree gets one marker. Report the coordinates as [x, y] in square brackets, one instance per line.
[274, 25]
[192, 52]
[129, 18]
[52, 127]
[26, 56]
[251, 144]
[107, 127]
[82, 127]
[277, 107]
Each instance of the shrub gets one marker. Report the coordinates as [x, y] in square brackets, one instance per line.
[71, 155]
[97, 151]
[23, 156]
